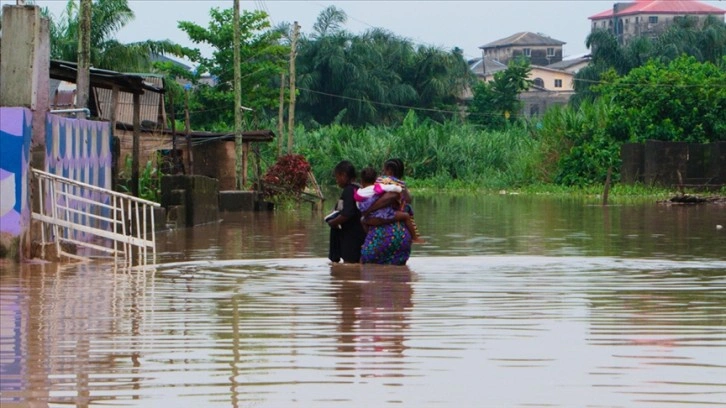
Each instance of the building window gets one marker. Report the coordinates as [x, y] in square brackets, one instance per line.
[550, 52]
[538, 82]
[653, 19]
[527, 52]
[558, 83]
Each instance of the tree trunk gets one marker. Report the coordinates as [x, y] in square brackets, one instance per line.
[83, 79]
[291, 115]
[240, 162]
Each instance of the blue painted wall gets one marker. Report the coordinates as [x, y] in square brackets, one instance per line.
[15, 135]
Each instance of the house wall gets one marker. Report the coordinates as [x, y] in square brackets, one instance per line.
[216, 159]
[149, 145]
[15, 139]
[212, 158]
[25, 63]
[537, 102]
[538, 54]
[549, 77]
[79, 149]
[628, 27]
[151, 112]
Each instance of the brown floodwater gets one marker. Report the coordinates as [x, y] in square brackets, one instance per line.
[512, 302]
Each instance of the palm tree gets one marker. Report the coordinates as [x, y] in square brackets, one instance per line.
[373, 78]
[108, 17]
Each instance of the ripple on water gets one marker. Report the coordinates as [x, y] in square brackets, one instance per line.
[444, 331]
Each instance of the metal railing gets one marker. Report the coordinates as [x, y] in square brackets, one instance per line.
[95, 218]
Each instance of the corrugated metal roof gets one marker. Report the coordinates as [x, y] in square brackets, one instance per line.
[679, 7]
[486, 65]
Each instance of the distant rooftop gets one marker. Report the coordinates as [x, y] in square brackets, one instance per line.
[678, 7]
[568, 63]
[523, 39]
[486, 65]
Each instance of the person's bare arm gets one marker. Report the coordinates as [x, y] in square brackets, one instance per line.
[385, 200]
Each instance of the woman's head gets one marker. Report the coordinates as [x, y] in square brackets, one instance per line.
[393, 167]
[344, 173]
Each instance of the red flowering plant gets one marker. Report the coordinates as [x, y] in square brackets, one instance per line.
[289, 175]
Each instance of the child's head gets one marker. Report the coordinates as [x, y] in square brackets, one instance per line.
[344, 173]
[393, 167]
[368, 176]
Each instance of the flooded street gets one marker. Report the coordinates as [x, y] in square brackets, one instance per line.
[512, 302]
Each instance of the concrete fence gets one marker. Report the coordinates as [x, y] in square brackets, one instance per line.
[672, 163]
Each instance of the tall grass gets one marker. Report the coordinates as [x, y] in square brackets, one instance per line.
[441, 153]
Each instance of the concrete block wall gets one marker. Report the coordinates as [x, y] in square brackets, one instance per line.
[200, 200]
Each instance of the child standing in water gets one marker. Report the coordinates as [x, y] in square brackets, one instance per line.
[372, 188]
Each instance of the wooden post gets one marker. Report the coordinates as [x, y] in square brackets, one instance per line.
[291, 115]
[114, 157]
[173, 132]
[606, 193]
[83, 78]
[240, 162]
[280, 114]
[135, 147]
[245, 157]
[188, 132]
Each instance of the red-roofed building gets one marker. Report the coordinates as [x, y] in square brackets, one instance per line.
[649, 17]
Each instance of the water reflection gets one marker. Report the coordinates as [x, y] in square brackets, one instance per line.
[61, 323]
[477, 225]
[375, 302]
[544, 303]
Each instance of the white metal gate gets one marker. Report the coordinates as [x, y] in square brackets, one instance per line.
[95, 218]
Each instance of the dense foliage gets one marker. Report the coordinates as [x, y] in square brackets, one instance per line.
[684, 100]
[263, 58]
[705, 42]
[442, 152]
[577, 148]
[375, 77]
[496, 104]
[108, 17]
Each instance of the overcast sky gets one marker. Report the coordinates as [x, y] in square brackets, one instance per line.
[448, 24]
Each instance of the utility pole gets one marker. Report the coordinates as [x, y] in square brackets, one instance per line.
[291, 115]
[280, 115]
[83, 79]
[237, 100]
[188, 132]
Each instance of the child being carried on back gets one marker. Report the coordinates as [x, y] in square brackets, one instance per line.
[371, 190]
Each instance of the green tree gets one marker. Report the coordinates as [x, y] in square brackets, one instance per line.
[375, 77]
[108, 17]
[684, 100]
[263, 58]
[496, 103]
[705, 41]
